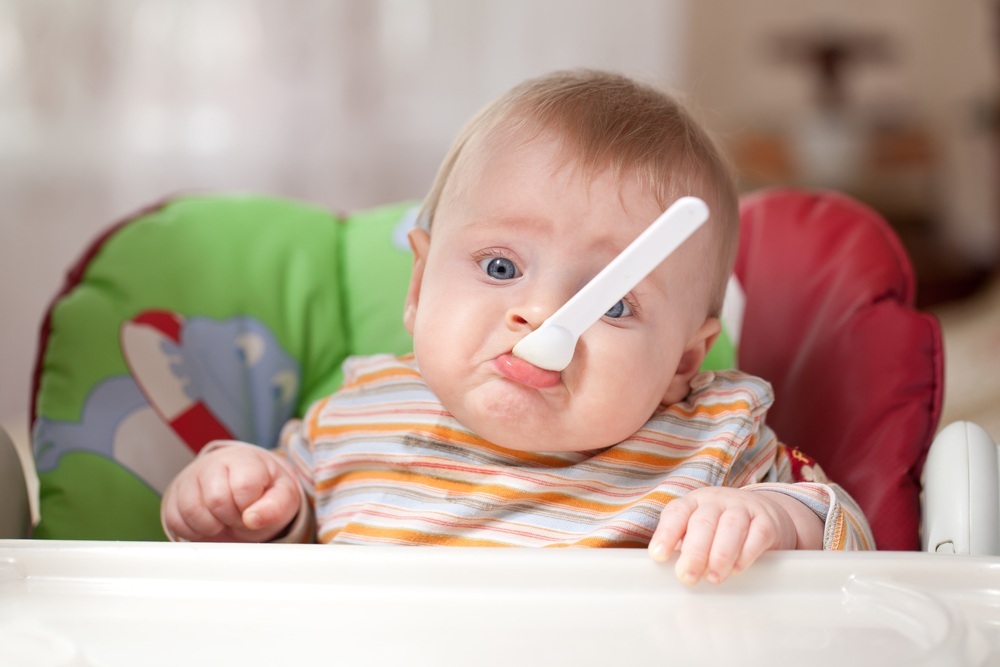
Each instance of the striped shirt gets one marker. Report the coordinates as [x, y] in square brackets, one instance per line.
[382, 462]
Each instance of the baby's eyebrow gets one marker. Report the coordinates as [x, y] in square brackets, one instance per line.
[517, 222]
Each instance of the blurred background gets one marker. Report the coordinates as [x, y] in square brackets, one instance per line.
[108, 105]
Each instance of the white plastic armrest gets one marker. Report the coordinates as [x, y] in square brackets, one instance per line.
[961, 499]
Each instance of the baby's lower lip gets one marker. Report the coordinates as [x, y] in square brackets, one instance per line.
[520, 371]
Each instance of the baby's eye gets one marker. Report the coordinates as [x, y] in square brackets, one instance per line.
[620, 309]
[499, 268]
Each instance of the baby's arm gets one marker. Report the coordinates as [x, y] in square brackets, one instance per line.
[232, 492]
[772, 497]
[722, 530]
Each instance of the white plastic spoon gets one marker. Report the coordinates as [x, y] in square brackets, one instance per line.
[551, 345]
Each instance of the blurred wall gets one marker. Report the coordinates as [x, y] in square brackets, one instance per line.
[936, 84]
[107, 105]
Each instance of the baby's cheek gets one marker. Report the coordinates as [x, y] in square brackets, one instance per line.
[640, 388]
[615, 412]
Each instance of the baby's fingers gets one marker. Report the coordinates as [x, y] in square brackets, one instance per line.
[188, 514]
[694, 523]
[729, 545]
[670, 529]
[276, 508]
[701, 529]
[761, 537]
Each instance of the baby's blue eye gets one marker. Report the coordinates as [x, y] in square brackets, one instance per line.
[620, 309]
[499, 268]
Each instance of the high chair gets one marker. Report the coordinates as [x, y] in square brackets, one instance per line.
[209, 317]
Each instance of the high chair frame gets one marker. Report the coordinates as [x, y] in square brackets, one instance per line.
[827, 277]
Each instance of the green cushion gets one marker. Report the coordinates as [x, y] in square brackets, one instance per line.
[237, 279]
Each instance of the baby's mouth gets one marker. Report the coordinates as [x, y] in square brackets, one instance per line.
[521, 372]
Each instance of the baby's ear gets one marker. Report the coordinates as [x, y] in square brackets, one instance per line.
[420, 242]
[694, 354]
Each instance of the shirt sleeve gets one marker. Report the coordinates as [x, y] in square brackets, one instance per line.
[794, 474]
[295, 449]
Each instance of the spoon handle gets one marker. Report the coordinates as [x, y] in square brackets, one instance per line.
[633, 264]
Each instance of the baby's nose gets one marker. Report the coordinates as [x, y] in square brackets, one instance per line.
[530, 315]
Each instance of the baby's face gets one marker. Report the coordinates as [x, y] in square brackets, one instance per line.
[514, 237]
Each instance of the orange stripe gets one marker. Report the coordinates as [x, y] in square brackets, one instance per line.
[313, 416]
[505, 527]
[386, 374]
[449, 435]
[402, 536]
[713, 410]
[440, 433]
[657, 461]
[604, 543]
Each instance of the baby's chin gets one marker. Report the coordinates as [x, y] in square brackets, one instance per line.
[518, 418]
[524, 436]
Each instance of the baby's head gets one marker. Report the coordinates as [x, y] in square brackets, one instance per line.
[606, 121]
[539, 192]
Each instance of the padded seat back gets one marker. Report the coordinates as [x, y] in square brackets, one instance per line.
[857, 371]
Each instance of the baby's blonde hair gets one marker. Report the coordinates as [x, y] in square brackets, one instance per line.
[607, 120]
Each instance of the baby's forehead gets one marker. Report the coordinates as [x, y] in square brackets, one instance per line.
[562, 154]
[589, 160]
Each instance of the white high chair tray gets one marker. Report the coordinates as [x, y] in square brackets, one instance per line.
[108, 604]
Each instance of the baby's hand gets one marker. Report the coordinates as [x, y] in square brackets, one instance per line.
[235, 493]
[722, 530]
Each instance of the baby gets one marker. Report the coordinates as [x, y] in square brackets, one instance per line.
[463, 443]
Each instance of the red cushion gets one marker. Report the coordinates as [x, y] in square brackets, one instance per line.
[857, 371]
